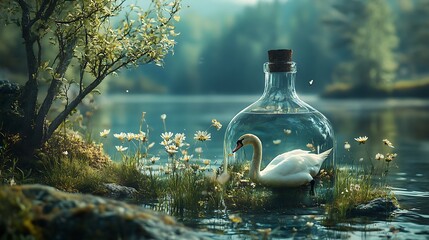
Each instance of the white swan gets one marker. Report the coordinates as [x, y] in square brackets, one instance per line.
[290, 169]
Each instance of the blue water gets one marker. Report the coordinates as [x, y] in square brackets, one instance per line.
[403, 122]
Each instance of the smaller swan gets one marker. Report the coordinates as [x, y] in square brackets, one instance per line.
[290, 169]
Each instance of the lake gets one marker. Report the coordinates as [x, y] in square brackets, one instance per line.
[405, 122]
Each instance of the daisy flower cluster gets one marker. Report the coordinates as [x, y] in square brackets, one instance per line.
[352, 188]
[140, 137]
[174, 144]
[362, 182]
[388, 157]
[140, 142]
[128, 136]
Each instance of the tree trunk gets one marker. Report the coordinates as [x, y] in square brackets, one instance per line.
[28, 97]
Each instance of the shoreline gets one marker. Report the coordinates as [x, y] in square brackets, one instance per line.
[401, 89]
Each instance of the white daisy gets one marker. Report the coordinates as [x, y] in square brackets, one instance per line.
[216, 124]
[390, 157]
[388, 143]
[179, 139]
[361, 140]
[171, 149]
[167, 135]
[154, 159]
[141, 136]
[186, 157]
[104, 133]
[202, 136]
[121, 136]
[121, 148]
[130, 136]
[379, 156]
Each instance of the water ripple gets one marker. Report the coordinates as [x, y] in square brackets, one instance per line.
[405, 192]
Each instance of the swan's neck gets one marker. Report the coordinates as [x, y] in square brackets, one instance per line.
[255, 168]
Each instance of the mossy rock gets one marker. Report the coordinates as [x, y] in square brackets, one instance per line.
[42, 212]
[378, 207]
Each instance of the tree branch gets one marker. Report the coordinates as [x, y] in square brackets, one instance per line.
[66, 54]
[73, 104]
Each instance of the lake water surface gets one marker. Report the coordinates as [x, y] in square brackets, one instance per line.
[405, 122]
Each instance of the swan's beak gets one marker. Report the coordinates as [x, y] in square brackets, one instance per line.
[239, 145]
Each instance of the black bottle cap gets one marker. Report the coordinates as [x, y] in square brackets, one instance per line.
[280, 60]
[280, 55]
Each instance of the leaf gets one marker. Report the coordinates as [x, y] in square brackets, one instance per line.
[96, 91]
[177, 18]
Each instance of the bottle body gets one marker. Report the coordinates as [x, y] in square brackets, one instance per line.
[280, 132]
[283, 122]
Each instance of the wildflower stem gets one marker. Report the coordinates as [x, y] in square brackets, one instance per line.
[370, 161]
[165, 126]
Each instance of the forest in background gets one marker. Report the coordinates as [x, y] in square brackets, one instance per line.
[221, 50]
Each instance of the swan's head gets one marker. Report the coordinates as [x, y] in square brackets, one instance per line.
[244, 140]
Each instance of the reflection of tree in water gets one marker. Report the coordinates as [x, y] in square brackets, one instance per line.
[405, 126]
[414, 122]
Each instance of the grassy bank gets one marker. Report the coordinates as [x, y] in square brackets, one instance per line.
[413, 88]
[183, 183]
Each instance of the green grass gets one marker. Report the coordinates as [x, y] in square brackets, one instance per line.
[188, 190]
[73, 175]
[364, 181]
[351, 189]
[10, 173]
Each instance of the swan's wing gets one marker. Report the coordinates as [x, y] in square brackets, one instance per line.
[285, 156]
[297, 160]
[289, 165]
[315, 161]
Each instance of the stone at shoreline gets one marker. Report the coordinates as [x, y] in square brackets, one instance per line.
[47, 213]
[119, 192]
[379, 207]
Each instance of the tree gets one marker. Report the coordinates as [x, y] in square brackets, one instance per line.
[373, 45]
[367, 36]
[417, 36]
[238, 54]
[93, 38]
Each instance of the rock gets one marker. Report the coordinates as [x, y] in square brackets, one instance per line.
[7, 87]
[116, 191]
[379, 207]
[46, 213]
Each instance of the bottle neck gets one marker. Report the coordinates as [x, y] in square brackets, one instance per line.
[280, 85]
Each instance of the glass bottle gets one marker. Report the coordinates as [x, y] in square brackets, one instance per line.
[281, 120]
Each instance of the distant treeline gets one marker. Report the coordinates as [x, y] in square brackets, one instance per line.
[371, 42]
[356, 42]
